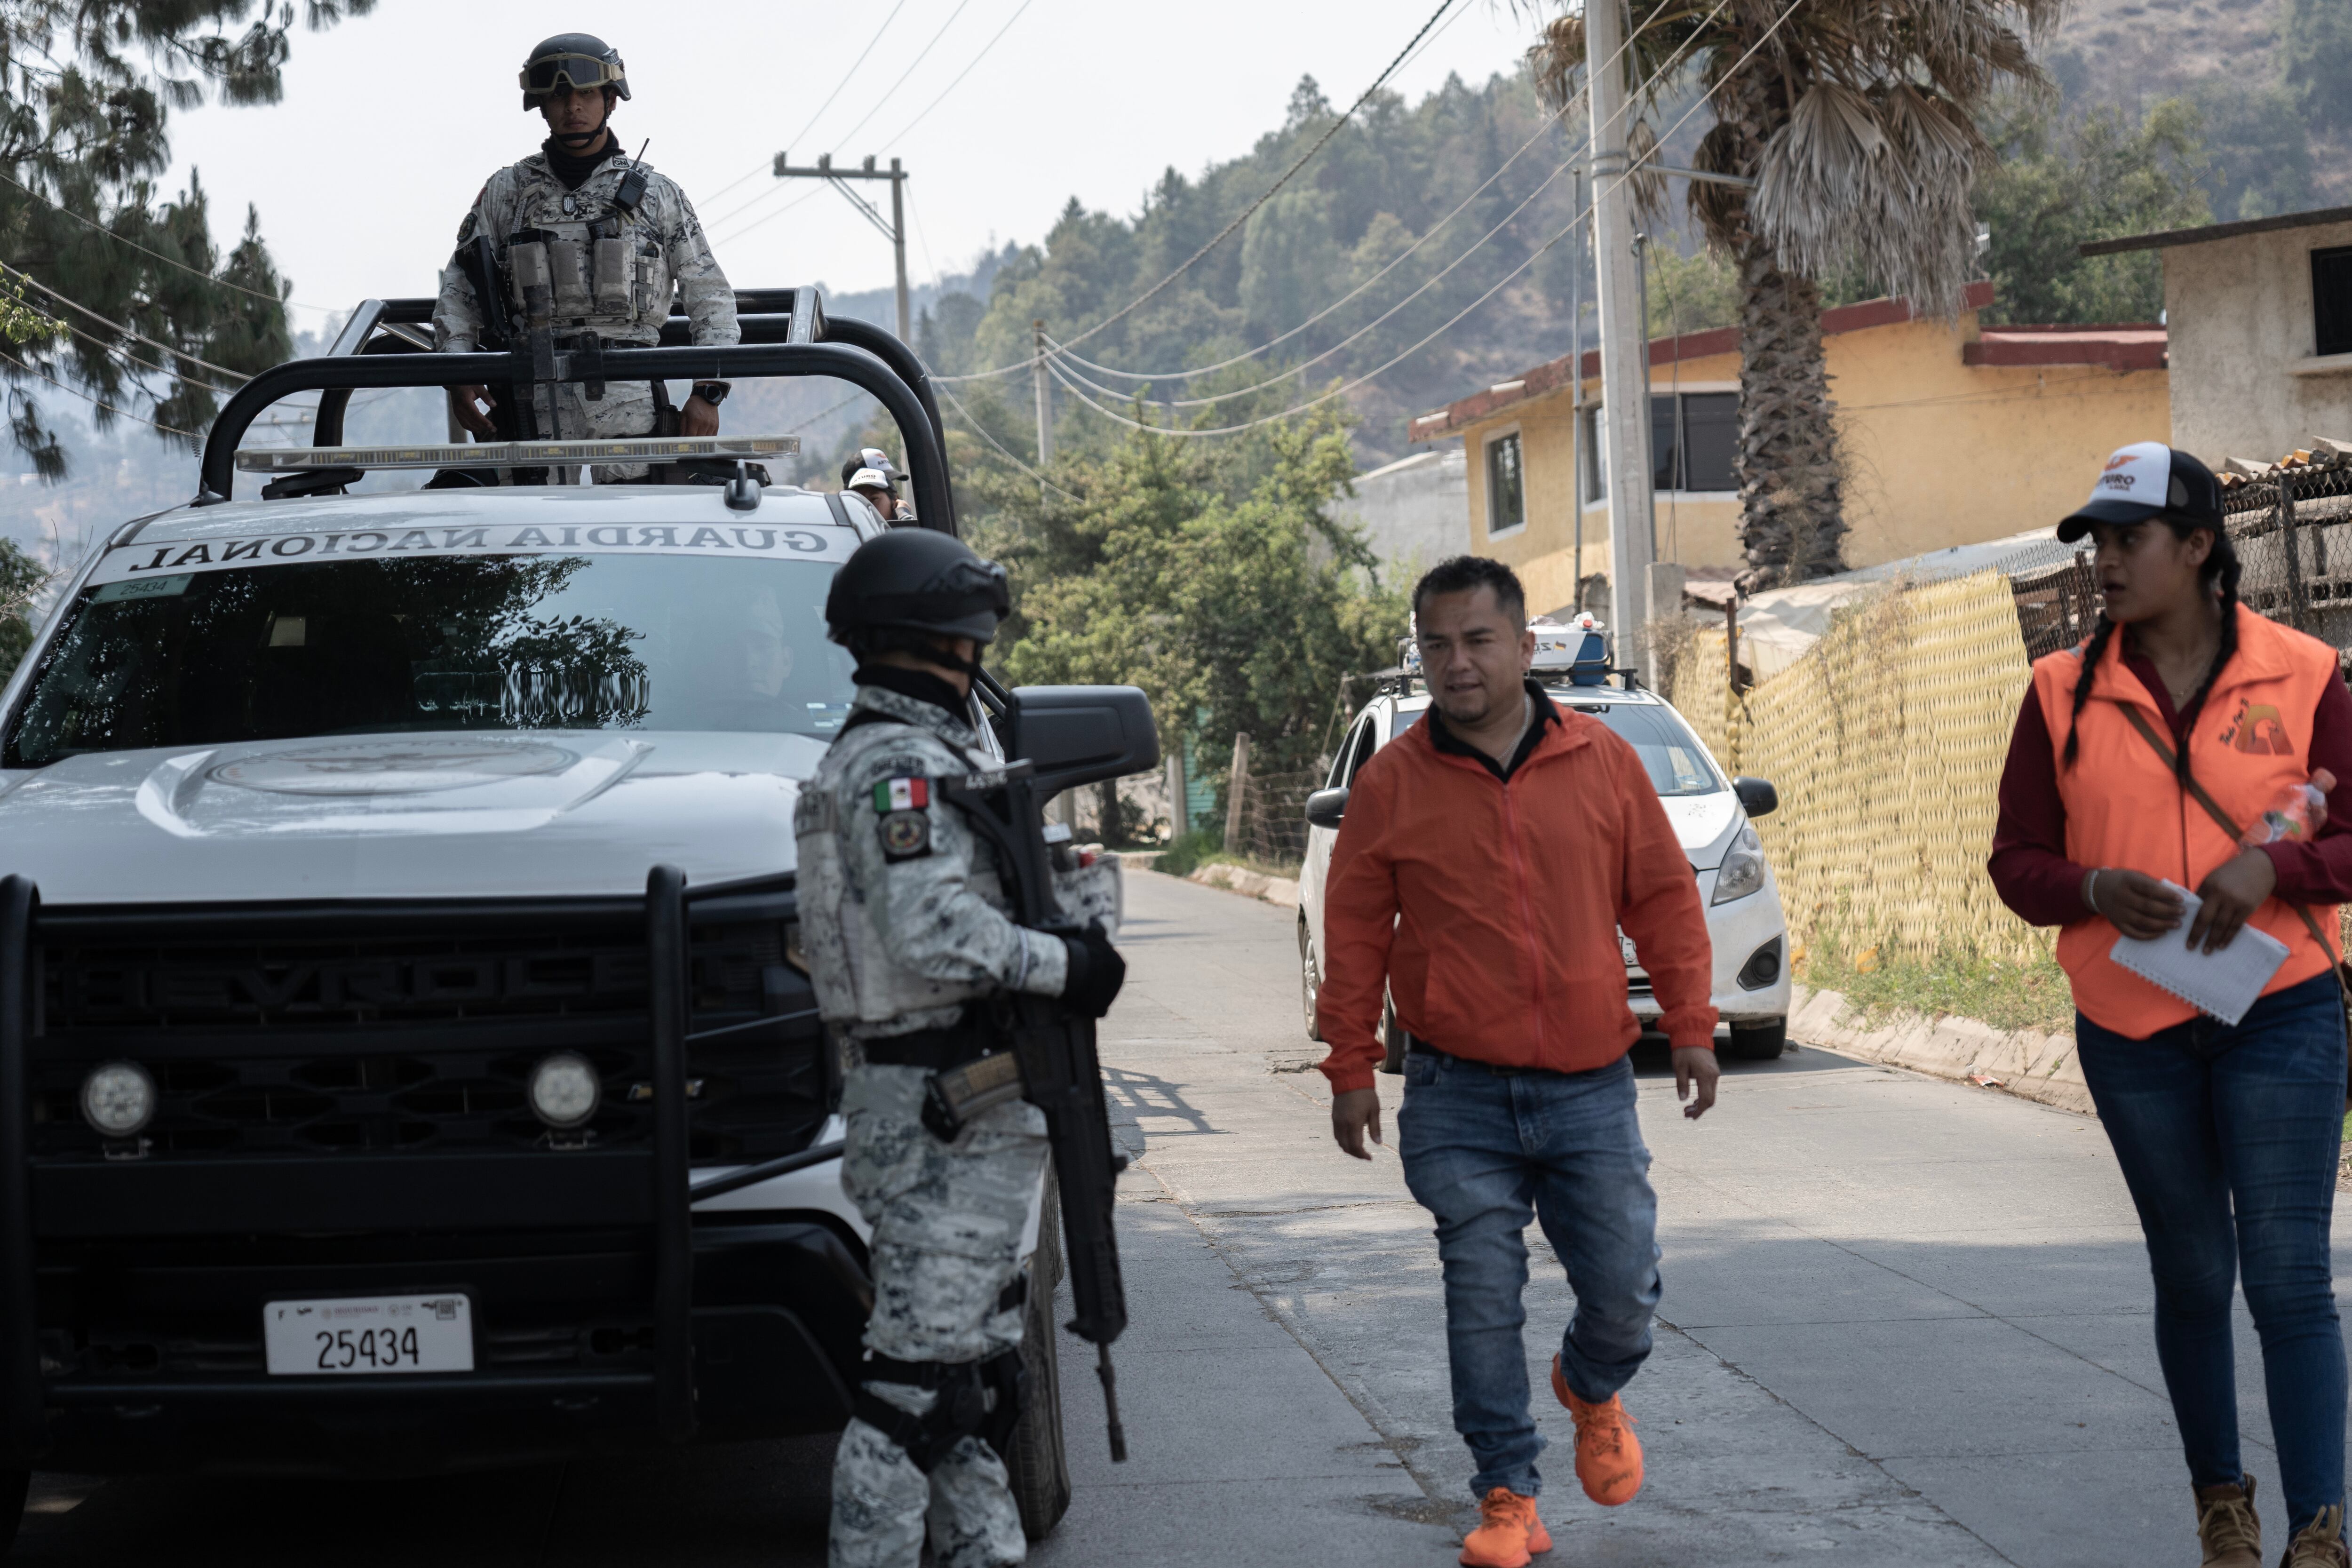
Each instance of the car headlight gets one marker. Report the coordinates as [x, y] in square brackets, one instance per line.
[1742, 871]
[565, 1089]
[118, 1098]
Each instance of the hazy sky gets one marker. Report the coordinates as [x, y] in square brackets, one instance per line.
[390, 122]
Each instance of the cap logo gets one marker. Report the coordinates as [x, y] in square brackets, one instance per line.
[2119, 459]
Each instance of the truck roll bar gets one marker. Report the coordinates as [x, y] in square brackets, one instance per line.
[926, 460]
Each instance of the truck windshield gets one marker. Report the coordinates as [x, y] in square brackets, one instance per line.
[505, 642]
[1677, 763]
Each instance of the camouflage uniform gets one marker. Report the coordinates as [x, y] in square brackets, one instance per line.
[664, 246]
[904, 919]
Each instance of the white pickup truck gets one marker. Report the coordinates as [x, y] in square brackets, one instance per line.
[406, 1058]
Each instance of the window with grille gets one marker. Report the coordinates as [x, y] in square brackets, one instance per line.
[1507, 490]
[2331, 301]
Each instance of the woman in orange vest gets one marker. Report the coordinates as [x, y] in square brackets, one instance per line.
[2183, 708]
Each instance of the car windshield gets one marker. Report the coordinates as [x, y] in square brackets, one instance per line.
[500, 642]
[1678, 765]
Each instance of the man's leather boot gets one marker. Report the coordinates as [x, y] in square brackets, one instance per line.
[2226, 1525]
[2320, 1543]
[1507, 1530]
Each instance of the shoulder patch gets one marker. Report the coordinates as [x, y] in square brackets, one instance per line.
[906, 835]
[901, 795]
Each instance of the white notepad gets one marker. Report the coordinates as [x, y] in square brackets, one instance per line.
[2219, 984]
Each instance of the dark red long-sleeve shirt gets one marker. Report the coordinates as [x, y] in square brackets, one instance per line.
[2029, 865]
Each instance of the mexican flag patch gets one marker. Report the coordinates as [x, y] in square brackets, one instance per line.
[902, 795]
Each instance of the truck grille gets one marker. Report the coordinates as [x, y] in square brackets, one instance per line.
[282, 1043]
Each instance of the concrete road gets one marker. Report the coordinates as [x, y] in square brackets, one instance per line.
[1906, 1323]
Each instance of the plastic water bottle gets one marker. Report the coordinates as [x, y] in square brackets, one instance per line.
[2294, 816]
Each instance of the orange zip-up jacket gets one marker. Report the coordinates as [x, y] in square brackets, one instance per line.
[1490, 909]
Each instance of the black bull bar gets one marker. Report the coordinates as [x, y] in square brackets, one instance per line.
[876, 362]
[663, 1196]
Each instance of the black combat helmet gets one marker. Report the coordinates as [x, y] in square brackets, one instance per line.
[577, 60]
[915, 580]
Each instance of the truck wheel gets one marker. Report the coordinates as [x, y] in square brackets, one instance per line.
[1039, 1466]
[1759, 1042]
[1309, 985]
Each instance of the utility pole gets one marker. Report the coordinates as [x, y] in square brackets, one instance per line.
[1044, 399]
[893, 228]
[1624, 337]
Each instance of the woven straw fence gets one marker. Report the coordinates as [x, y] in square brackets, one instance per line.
[1885, 742]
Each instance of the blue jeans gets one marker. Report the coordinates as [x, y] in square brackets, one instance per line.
[1485, 1152]
[2227, 1139]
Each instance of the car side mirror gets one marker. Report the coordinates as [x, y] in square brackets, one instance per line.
[1326, 807]
[1756, 795]
[1075, 735]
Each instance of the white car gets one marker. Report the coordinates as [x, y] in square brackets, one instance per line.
[1710, 811]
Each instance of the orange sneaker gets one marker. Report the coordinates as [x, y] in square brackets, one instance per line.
[1608, 1455]
[1507, 1530]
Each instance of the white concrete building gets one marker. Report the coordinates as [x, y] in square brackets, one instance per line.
[1415, 512]
[2259, 314]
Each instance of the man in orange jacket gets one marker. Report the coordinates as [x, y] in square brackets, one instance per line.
[1487, 862]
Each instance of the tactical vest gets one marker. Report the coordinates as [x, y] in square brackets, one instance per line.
[2126, 809]
[598, 268]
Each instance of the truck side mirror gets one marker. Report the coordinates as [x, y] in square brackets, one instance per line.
[1326, 807]
[1756, 795]
[1075, 735]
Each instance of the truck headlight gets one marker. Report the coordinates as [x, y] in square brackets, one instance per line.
[119, 1099]
[565, 1089]
[1742, 871]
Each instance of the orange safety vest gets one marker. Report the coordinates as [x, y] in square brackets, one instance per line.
[2124, 809]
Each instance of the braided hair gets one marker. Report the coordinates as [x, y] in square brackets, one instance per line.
[2218, 575]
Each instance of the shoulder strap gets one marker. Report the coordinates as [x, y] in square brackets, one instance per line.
[2213, 809]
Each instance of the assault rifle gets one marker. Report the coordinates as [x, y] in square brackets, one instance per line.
[1063, 736]
[510, 412]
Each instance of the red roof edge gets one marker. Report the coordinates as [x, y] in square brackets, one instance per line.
[2120, 348]
[1554, 374]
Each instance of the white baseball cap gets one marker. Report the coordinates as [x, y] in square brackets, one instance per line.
[868, 479]
[2142, 480]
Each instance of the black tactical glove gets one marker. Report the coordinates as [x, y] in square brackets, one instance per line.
[1097, 972]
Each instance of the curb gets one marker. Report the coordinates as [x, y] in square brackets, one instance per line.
[2026, 1063]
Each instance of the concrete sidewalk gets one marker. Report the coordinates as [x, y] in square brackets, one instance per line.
[1905, 1320]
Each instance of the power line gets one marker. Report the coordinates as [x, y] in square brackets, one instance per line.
[94, 402]
[843, 81]
[1397, 260]
[981, 431]
[881, 99]
[1305, 365]
[1649, 156]
[1268, 195]
[900, 135]
[126, 331]
[191, 271]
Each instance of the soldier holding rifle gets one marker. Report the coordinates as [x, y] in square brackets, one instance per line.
[911, 912]
[584, 243]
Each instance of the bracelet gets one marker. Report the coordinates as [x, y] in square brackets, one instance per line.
[2090, 884]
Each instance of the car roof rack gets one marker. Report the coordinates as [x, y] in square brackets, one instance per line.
[786, 332]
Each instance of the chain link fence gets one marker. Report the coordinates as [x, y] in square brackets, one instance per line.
[2293, 528]
[1273, 816]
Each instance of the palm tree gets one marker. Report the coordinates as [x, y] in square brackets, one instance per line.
[1856, 120]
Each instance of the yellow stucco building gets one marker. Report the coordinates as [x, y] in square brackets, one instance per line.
[1951, 434]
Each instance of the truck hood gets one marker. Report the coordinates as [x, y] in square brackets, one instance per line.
[511, 814]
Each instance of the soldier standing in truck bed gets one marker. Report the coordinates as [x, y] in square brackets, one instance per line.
[613, 237]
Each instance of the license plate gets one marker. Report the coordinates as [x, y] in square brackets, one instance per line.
[356, 1335]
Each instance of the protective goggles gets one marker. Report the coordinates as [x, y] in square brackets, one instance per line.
[578, 72]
